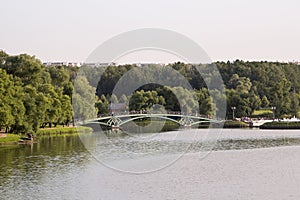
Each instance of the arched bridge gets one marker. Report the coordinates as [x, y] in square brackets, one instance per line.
[119, 120]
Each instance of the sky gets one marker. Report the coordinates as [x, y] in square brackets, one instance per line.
[69, 30]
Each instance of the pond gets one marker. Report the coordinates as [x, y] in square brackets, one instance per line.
[117, 165]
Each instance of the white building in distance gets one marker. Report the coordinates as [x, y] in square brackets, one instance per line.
[70, 64]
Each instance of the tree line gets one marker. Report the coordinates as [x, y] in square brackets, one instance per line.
[249, 86]
[34, 96]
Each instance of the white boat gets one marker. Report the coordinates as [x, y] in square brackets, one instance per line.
[257, 123]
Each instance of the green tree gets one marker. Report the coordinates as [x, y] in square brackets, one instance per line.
[265, 102]
[206, 105]
[84, 99]
[26, 67]
[11, 106]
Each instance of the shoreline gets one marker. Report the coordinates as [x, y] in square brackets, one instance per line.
[14, 139]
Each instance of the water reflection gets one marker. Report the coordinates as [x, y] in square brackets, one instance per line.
[119, 144]
[26, 166]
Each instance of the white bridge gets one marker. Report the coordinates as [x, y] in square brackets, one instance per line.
[115, 121]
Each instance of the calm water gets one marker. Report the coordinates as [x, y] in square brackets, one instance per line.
[90, 166]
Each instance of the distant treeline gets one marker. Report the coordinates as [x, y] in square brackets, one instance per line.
[33, 95]
[249, 86]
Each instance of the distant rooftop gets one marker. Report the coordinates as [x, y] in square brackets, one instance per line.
[78, 64]
[71, 64]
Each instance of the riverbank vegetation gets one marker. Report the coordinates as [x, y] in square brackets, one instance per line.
[263, 113]
[15, 138]
[62, 130]
[281, 125]
[34, 96]
[9, 139]
[235, 124]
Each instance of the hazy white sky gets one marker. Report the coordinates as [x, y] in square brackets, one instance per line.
[69, 30]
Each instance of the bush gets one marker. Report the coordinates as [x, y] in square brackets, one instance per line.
[281, 125]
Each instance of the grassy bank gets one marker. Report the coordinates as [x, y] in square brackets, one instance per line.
[235, 124]
[281, 125]
[62, 130]
[10, 139]
[227, 124]
[14, 138]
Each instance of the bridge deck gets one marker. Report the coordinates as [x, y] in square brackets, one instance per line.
[118, 120]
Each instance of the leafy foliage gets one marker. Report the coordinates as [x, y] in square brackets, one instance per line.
[32, 95]
[249, 86]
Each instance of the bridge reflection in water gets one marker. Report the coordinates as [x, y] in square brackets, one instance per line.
[115, 121]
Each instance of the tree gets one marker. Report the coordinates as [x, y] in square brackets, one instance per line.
[123, 99]
[33, 95]
[84, 99]
[66, 107]
[206, 105]
[11, 105]
[26, 67]
[114, 99]
[137, 101]
[142, 100]
[3, 57]
[255, 101]
[265, 102]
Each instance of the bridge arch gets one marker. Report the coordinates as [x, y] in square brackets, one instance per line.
[211, 121]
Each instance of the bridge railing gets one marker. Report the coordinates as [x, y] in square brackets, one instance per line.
[154, 112]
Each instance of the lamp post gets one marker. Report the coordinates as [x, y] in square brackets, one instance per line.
[233, 108]
[273, 108]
